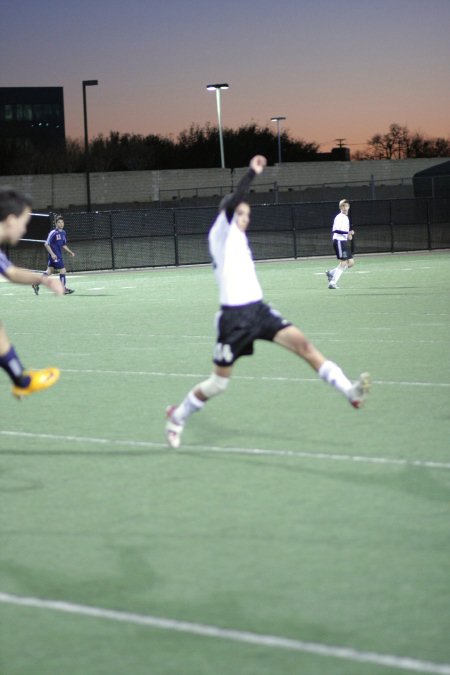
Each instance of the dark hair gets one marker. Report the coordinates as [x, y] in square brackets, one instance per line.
[13, 203]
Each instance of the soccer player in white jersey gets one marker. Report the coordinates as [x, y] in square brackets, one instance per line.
[15, 212]
[244, 317]
[342, 235]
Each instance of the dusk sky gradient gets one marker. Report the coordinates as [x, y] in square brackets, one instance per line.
[342, 68]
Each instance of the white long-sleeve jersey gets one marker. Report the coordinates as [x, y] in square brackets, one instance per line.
[233, 263]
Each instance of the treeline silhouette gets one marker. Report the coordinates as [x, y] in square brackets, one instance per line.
[199, 148]
[196, 147]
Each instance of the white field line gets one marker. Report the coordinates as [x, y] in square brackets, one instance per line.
[320, 274]
[210, 338]
[205, 630]
[150, 373]
[151, 445]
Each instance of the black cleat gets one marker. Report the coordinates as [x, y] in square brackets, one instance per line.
[68, 291]
[35, 288]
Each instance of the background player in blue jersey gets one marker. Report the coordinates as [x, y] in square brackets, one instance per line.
[15, 211]
[55, 245]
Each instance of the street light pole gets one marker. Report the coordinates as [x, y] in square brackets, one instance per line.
[87, 83]
[218, 87]
[278, 119]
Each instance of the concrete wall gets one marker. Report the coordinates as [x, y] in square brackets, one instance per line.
[64, 191]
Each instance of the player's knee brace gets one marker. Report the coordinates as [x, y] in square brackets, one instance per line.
[214, 385]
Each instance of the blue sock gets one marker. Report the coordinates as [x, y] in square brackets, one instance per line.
[11, 363]
[63, 279]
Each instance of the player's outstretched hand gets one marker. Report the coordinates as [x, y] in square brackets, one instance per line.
[54, 285]
[258, 163]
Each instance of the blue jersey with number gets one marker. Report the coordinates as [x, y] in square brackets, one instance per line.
[4, 263]
[56, 240]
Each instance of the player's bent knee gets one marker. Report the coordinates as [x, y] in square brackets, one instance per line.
[214, 385]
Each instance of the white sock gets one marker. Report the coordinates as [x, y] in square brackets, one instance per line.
[191, 404]
[337, 273]
[331, 373]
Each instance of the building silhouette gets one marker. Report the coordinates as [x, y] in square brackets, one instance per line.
[32, 116]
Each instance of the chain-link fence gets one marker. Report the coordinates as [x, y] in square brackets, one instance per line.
[170, 237]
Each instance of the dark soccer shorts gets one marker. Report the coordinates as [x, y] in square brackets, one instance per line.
[343, 249]
[56, 264]
[238, 328]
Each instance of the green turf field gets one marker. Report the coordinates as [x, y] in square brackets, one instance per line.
[291, 534]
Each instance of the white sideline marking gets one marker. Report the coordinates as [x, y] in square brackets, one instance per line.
[96, 288]
[210, 338]
[204, 630]
[421, 463]
[151, 373]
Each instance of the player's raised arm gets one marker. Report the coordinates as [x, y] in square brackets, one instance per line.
[231, 201]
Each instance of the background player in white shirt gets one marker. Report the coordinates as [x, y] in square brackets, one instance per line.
[244, 317]
[15, 212]
[342, 236]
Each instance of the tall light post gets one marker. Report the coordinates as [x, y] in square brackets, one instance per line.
[87, 83]
[218, 87]
[278, 119]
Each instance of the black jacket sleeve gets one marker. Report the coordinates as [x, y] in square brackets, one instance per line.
[230, 202]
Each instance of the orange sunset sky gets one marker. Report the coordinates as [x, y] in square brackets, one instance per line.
[333, 69]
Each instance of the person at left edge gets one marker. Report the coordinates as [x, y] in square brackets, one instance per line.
[55, 244]
[15, 212]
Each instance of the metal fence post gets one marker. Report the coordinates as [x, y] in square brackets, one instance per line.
[294, 231]
[111, 239]
[372, 185]
[428, 224]
[175, 238]
[391, 225]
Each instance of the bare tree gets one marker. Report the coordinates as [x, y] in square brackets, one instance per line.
[421, 146]
[391, 145]
[399, 143]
